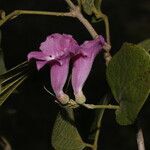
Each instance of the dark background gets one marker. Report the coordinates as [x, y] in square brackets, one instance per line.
[27, 118]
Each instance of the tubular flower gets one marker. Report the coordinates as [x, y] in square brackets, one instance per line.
[56, 51]
[82, 65]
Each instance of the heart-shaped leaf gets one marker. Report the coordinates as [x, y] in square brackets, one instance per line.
[128, 75]
[65, 135]
[145, 44]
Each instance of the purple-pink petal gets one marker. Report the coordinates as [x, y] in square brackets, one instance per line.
[36, 55]
[56, 50]
[83, 63]
[81, 69]
[59, 75]
[93, 47]
[40, 64]
[58, 45]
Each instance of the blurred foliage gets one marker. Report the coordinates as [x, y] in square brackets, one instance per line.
[14, 77]
[2, 63]
[128, 75]
[91, 7]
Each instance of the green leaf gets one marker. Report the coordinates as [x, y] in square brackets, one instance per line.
[145, 44]
[65, 135]
[97, 4]
[92, 7]
[2, 63]
[87, 6]
[128, 75]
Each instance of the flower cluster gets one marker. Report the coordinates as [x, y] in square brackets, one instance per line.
[57, 51]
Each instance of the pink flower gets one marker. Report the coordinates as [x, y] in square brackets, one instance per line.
[56, 51]
[83, 64]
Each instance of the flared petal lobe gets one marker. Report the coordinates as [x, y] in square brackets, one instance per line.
[41, 59]
[82, 65]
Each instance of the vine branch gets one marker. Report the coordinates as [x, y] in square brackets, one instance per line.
[17, 13]
[91, 106]
[74, 104]
[99, 14]
[77, 13]
[98, 125]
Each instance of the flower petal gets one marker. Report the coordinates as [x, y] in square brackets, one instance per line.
[93, 47]
[58, 45]
[40, 64]
[40, 58]
[81, 69]
[59, 75]
[36, 55]
[82, 65]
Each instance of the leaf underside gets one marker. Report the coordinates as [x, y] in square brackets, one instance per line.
[128, 75]
[65, 135]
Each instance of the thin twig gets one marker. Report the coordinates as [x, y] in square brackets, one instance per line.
[49, 92]
[16, 13]
[87, 25]
[70, 3]
[89, 145]
[104, 17]
[88, 106]
[106, 21]
[68, 83]
[91, 106]
[107, 47]
[140, 140]
[77, 13]
[98, 125]
[107, 54]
